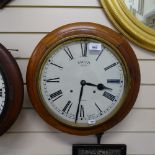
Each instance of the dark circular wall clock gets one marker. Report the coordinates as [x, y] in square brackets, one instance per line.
[11, 90]
[3, 3]
[83, 78]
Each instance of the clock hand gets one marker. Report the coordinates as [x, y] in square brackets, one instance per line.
[83, 82]
[99, 86]
[90, 84]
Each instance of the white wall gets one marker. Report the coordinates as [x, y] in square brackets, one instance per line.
[22, 24]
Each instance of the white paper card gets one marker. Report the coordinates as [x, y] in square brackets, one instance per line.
[94, 47]
[92, 122]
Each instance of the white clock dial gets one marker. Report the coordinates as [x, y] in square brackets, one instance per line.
[2, 94]
[82, 82]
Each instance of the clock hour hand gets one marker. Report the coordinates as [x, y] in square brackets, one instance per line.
[83, 82]
[90, 84]
[99, 86]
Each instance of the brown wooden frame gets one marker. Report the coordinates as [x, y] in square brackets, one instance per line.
[90, 30]
[15, 89]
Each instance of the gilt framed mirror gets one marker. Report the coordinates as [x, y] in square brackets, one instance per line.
[133, 18]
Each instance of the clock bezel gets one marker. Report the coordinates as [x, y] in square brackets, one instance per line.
[52, 52]
[78, 30]
[14, 89]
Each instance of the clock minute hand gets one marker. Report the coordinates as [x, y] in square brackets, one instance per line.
[80, 97]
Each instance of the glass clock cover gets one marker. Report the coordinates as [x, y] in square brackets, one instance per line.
[82, 82]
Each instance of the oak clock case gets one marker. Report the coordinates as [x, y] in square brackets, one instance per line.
[11, 90]
[83, 78]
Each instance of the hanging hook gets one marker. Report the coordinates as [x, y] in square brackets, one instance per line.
[99, 136]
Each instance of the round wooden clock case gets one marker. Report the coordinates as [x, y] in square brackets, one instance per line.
[83, 78]
[11, 90]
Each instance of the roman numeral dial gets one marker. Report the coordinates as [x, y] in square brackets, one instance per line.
[67, 107]
[53, 80]
[82, 113]
[56, 65]
[110, 66]
[84, 48]
[117, 81]
[56, 95]
[99, 109]
[80, 83]
[109, 96]
[68, 52]
[0, 92]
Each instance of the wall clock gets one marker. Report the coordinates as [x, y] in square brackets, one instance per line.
[11, 90]
[3, 3]
[83, 78]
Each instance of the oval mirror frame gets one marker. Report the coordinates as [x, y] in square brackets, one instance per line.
[129, 25]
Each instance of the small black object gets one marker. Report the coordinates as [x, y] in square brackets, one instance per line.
[3, 3]
[102, 149]
[99, 136]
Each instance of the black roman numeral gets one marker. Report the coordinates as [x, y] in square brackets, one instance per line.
[113, 81]
[68, 52]
[98, 108]
[0, 92]
[53, 80]
[56, 65]
[81, 111]
[109, 96]
[99, 54]
[84, 49]
[56, 95]
[67, 107]
[112, 65]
